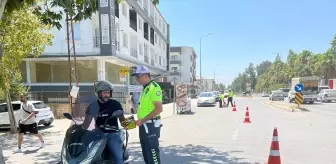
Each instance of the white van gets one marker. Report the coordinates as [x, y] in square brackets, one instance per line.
[44, 117]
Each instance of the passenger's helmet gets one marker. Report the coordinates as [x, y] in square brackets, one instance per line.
[102, 86]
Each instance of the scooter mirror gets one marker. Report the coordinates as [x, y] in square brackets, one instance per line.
[67, 115]
[117, 113]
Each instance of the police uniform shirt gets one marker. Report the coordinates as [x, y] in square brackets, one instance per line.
[151, 93]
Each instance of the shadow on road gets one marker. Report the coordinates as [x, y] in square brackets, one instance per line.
[10, 140]
[188, 154]
[47, 158]
[187, 114]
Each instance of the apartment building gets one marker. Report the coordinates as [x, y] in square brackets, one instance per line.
[182, 64]
[120, 35]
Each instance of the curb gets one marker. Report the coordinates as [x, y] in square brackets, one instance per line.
[287, 108]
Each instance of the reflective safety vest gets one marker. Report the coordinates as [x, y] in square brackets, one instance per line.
[231, 94]
[151, 93]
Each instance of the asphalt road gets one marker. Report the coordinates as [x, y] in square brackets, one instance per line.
[213, 135]
[217, 135]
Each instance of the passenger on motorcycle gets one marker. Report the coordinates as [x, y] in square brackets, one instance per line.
[101, 110]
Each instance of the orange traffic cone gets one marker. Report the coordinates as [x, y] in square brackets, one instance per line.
[234, 107]
[274, 155]
[247, 116]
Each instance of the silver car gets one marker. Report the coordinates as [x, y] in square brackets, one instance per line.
[327, 95]
[206, 99]
[277, 95]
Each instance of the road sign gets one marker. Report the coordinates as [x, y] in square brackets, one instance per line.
[298, 87]
[123, 71]
[298, 98]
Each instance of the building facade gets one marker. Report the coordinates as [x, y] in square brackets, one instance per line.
[133, 33]
[182, 65]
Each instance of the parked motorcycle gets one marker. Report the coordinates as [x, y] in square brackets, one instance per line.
[83, 146]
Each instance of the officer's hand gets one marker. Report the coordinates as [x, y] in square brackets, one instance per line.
[124, 125]
[138, 122]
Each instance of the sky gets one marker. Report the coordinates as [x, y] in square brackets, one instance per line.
[247, 31]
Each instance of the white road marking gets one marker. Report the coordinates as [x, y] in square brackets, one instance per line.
[235, 134]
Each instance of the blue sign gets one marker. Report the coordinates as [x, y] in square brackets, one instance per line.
[298, 87]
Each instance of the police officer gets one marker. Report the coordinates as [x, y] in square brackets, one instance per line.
[221, 100]
[149, 120]
[230, 98]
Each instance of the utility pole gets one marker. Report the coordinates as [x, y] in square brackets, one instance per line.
[71, 54]
[201, 59]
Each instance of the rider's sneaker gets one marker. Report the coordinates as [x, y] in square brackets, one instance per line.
[18, 150]
[42, 145]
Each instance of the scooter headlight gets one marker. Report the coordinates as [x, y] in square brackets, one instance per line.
[88, 158]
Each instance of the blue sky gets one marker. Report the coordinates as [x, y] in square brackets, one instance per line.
[248, 30]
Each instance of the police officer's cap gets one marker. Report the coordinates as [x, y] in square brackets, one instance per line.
[140, 70]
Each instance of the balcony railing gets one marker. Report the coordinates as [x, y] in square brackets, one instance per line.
[146, 11]
[152, 62]
[175, 62]
[133, 25]
[146, 59]
[146, 35]
[134, 53]
[96, 42]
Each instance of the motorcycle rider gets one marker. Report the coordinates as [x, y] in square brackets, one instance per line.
[101, 110]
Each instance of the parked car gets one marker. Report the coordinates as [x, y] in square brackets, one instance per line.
[44, 117]
[206, 99]
[216, 93]
[276, 95]
[327, 95]
[265, 94]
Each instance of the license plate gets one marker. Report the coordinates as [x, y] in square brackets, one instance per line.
[47, 119]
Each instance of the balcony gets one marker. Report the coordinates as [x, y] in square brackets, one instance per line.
[175, 62]
[175, 73]
[146, 11]
[134, 53]
[146, 59]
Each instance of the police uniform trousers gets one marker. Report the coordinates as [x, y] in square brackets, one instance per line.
[149, 134]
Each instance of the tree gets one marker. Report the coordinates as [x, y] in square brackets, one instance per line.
[278, 74]
[22, 35]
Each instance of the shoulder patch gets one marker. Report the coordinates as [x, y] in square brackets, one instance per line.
[158, 93]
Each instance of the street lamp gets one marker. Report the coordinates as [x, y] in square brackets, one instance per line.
[215, 71]
[201, 58]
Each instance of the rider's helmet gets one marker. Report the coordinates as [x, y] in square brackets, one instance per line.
[102, 86]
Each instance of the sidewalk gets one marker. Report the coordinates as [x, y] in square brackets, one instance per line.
[285, 105]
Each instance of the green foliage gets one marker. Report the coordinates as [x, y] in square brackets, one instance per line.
[278, 74]
[21, 35]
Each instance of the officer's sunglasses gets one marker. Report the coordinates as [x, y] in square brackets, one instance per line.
[139, 76]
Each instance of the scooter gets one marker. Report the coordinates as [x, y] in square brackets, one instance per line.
[82, 146]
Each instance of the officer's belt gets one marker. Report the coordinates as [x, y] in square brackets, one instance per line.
[153, 119]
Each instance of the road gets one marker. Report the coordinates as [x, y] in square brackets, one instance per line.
[213, 135]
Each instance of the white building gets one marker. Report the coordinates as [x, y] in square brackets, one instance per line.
[182, 64]
[208, 84]
[138, 35]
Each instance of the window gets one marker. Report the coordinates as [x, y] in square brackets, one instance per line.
[155, 38]
[40, 105]
[174, 69]
[76, 30]
[140, 24]
[174, 58]
[160, 60]
[125, 40]
[124, 9]
[140, 49]
[191, 58]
